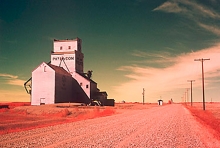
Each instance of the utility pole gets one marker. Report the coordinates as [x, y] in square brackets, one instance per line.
[143, 95]
[184, 98]
[191, 89]
[187, 89]
[203, 87]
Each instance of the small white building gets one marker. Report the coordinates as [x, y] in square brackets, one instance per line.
[160, 102]
[63, 78]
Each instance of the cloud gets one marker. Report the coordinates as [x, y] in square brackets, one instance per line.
[171, 7]
[12, 79]
[8, 76]
[155, 54]
[14, 95]
[17, 82]
[159, 58]
[213, 29]
[196, 12]
[200, 10]
[169, 81]
[185, 7]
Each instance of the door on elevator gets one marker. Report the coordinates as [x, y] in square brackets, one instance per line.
[42, 101]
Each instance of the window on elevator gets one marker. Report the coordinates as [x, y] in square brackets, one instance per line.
[45, 68]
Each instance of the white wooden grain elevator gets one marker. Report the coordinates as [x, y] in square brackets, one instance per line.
[63, 79]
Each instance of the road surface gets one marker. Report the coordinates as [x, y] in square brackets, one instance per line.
[163, 126]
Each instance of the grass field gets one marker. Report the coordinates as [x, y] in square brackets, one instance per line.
[18, 116]
[21, 116]
[209, 117]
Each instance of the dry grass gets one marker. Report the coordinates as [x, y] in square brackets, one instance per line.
[210, 117]
[135, 106]
[28, 117]
[14, 104]
[23, 117]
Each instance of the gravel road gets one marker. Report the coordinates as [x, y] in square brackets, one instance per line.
[163, 126]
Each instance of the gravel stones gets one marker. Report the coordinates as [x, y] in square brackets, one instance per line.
[162, 126]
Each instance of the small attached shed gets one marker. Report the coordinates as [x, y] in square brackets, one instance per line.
[88, 85]
[110, 102]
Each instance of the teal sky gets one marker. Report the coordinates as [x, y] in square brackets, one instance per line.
[129, 44]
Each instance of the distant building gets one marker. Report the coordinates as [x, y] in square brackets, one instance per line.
[63, 78]
[160, 102]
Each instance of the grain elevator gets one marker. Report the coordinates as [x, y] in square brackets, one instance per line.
[63, 78]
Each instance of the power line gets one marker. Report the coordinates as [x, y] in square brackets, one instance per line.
[203, 87]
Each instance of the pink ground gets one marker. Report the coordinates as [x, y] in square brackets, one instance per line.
[139, 126]
[210, 118]
[22, 116]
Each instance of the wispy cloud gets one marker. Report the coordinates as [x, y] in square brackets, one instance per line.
[185, 7]
[161, 58]
[200, 10]
[155, 54]
[196, 12]
[17, 82]
[170, 81]
[8, 76]
[211, 28]
[171, 7]
[11, 79]
[15, 95]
